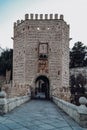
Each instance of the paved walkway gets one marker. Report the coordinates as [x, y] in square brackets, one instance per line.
[38, 115]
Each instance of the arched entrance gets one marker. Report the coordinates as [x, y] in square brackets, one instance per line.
[42, 87]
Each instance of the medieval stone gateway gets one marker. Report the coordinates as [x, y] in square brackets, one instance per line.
[42, 87]
[41, 67]
[41, 48]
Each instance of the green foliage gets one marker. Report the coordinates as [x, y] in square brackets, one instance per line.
[6, 61]
[72, 84]
[77, 55]
[77, 87]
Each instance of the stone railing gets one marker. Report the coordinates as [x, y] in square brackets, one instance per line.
[9, 104]
[78, 113]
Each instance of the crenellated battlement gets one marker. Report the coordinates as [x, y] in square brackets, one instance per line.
[40, 17]
[41, 54]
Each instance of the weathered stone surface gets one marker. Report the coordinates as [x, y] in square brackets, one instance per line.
[7, 105]
[38, 115]
[2, 94]
[82, 100]
[3, 103]
[78, 113]
[28, 35]
[17, 90]
[82, 108]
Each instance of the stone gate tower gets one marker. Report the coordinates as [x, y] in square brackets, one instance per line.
[41, 54]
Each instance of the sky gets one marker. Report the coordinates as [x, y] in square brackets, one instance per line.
[74, 12]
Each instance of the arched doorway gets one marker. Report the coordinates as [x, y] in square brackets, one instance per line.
[42, 87]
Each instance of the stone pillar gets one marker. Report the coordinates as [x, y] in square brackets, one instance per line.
[56, 16]
[46, 16]
[3, 103]
[51, 16]
[82, 112]
[18, 22]
[15, 24]
[61, 17]
[36, 16]
[26, 16]
[82, 107]
[31, 16]
[41, 16]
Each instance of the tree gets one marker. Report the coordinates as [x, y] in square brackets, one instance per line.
[6, 59]
[72, 84]
[77, 55]
[85, 60]
[77, 88]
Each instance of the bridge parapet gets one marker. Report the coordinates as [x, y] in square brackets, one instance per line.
[78, 113]
[9, 104]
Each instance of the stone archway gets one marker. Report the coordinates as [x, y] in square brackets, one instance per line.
[42, 89]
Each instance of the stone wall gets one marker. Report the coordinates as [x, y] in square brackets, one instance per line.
[28, 34]
[7, 105]
[78, 113]
[17, 91]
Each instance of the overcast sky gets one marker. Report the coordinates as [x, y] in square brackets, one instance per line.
[74, 11]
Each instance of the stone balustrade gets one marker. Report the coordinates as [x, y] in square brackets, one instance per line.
[9, 104]
[78, 113]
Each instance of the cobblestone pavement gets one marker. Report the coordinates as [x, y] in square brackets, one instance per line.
[38, 115]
